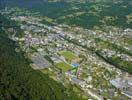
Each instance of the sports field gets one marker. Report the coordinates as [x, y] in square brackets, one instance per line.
[68, 55]
[64, 66]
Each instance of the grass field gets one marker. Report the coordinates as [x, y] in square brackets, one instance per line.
[68, 55]
[51, 73]
[64, 66]
[127, 40]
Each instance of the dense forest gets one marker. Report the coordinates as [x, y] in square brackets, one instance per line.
[18, 81]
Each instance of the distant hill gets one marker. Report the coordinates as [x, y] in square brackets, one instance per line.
[96, 13]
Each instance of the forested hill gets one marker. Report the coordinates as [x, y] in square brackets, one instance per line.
[18, 81]
[89, 14]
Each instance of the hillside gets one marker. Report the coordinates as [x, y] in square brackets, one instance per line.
[18, 81]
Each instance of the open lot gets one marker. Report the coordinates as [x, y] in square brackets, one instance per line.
[64, 66]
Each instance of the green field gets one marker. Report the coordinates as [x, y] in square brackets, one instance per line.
[127, 40]
[64, 66]
[51, 73]
[68, 55]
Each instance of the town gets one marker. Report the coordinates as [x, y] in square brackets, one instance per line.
[77, 56]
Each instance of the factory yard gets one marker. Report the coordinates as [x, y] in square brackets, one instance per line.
[39, 62]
